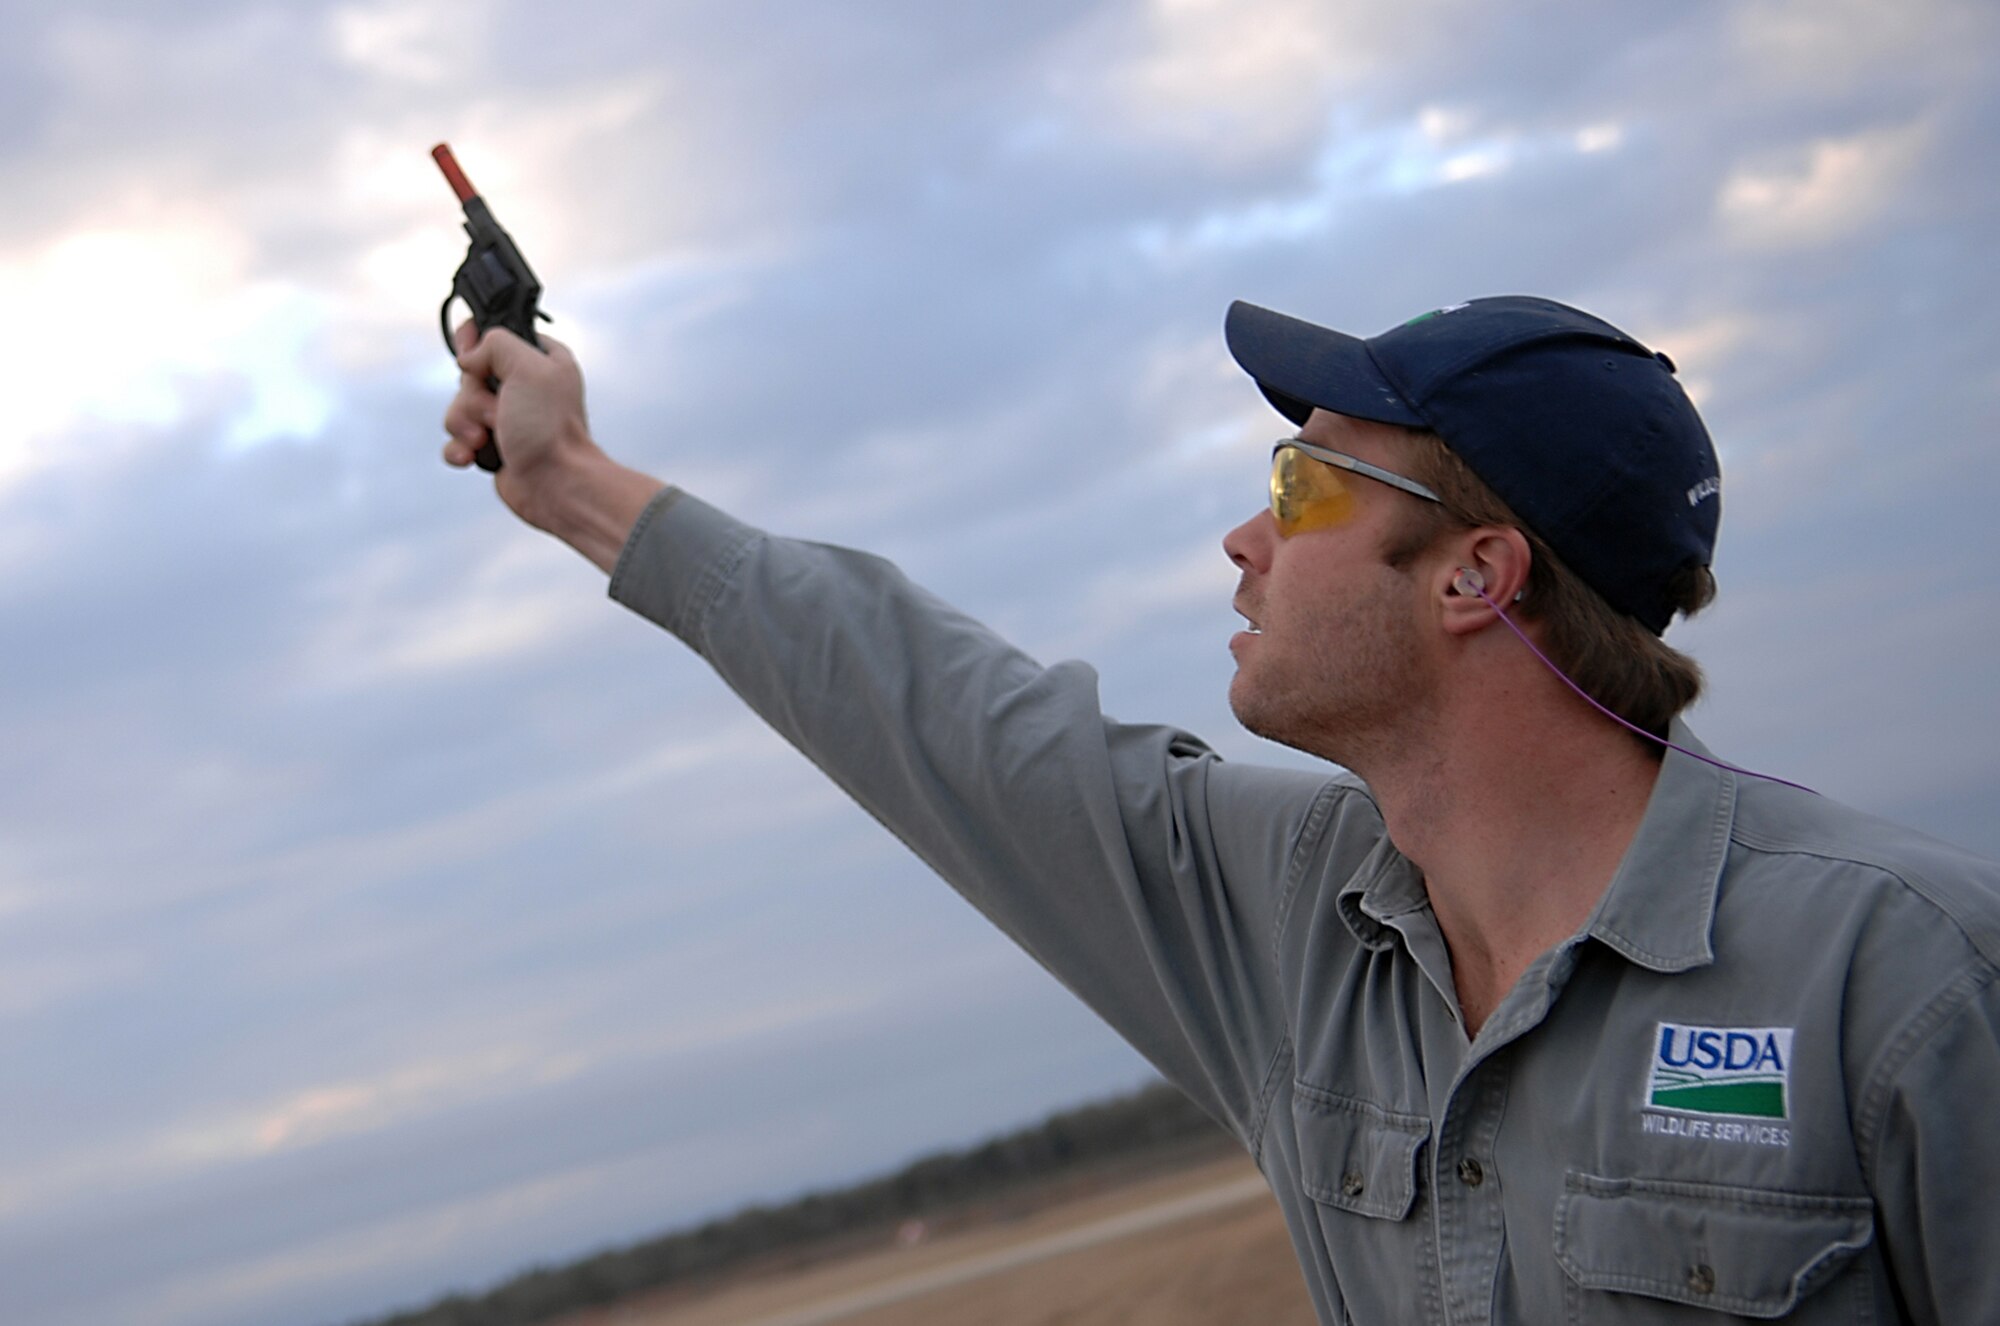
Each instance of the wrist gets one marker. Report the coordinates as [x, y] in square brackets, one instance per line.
[589, 501]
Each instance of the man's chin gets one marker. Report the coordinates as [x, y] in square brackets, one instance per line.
[1252, 710]
[1276, 719]
[1239, 696]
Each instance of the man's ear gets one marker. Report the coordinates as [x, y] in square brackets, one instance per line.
[1483, 568]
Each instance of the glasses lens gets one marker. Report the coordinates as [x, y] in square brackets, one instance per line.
[1307, 494]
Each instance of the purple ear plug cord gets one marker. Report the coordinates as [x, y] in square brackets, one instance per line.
[1471, 580]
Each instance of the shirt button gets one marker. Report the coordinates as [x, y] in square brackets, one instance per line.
[1470, 1174]
[1350, 1185]
[1702, 1279]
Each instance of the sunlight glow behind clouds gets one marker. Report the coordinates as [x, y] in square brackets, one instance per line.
[140, 324]
[150, 306]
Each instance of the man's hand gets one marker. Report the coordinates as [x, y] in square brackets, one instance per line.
[555, 477]
[533, 410]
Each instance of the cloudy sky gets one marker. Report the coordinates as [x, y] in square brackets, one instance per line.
[382, 910]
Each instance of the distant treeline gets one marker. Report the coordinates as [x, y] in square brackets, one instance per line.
[1155, 1119]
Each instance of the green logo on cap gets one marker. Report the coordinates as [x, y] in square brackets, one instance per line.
[1434, 313]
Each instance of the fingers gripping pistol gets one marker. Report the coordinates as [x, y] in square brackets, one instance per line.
[494, 281]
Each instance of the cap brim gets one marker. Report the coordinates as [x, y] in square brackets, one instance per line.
[1302, 366]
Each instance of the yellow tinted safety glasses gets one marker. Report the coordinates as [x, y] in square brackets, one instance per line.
[1310, 489]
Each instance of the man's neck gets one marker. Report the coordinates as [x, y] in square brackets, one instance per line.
[1518, 829]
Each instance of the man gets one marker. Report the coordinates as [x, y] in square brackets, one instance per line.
[1528, 1019]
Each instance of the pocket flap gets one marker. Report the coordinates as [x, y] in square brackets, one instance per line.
[1356, 1156]
[1741, 1250]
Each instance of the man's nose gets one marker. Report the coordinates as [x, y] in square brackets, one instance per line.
[1249, 545]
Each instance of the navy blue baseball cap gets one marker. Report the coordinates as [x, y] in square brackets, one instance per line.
[1579, 428]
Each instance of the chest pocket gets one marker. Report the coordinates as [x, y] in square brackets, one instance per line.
[1357, 1157]
[1740, 1250]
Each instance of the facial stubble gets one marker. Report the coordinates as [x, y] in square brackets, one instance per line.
[1337, 675]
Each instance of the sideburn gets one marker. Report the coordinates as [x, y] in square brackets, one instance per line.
[1412, 535]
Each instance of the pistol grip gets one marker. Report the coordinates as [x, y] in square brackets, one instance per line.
[488, 456]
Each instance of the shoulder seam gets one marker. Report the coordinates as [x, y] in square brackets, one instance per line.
[1309, 834]
[1903, 1047]
[1295, 870]
[1914, 883]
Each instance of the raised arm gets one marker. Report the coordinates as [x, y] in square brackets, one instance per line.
[1129, 860]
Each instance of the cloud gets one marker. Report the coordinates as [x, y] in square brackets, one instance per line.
[557, 1051]
[1113, 604]
[1829, 190]
[403, 1093]
[239, 1288]
[1359, 164]
[29, 985]
[1706, 349]
[391, 617]
[1841, 45]
[1226, 77]
[304, 1117]
[425, 44]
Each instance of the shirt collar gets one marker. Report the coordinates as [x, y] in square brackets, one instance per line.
[1386, 886]
[1659, 910]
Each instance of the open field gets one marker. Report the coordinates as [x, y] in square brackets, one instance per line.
[1198, 1246]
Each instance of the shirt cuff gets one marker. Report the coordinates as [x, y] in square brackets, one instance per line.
[679, 557]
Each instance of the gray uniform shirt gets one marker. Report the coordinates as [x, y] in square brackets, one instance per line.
[1761, 1081]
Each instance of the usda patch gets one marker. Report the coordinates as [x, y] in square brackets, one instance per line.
[1739, 1071]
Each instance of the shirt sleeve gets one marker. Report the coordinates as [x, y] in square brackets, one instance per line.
[1936, 1163]
[1130, 861]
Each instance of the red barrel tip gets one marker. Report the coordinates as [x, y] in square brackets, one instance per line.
[452, 174]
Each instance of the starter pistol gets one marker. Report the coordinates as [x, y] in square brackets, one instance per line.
[495, 281]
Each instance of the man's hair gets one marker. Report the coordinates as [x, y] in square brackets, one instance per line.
[1615, 659]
